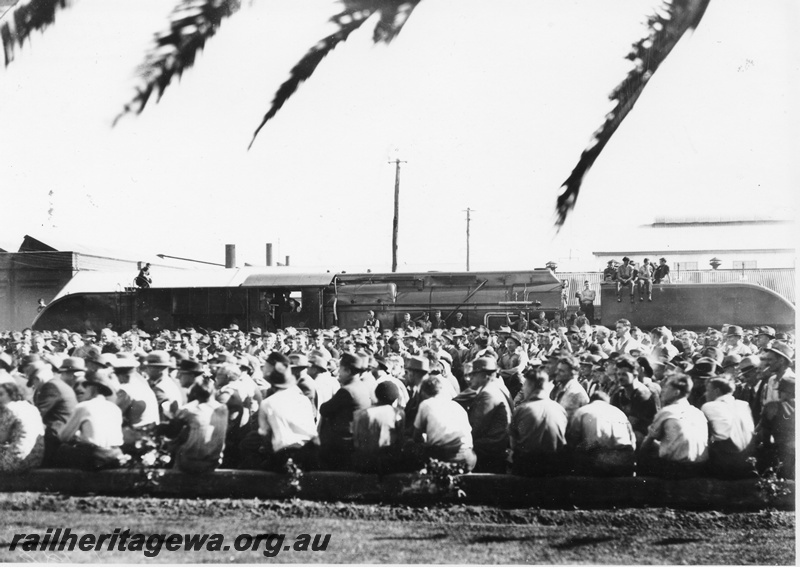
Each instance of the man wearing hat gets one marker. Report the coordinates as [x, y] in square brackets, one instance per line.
[729, 365]
[416, 369]
[446, 344]
[489, 416]
[336, 415]
[286, 426]
[135, 399]
[626, 278]
[610, 272]
[158, 366]
[189, 372]
[537, 429]
[380, 370]
[298, 367]
[764, 337]
[512, 363]
[733, 342]
[55, 400]
[748, 384]
[240, 398]
[92, 437]
[776, 431]
[424, 322]
[325, 384]
[71, 369]
[199, 430]
[378, 433]
[703, 370]
[776, 362]
[587, 363]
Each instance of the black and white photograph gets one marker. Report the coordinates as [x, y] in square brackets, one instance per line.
[398, 281]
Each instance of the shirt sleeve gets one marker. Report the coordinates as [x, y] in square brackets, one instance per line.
[73, 424]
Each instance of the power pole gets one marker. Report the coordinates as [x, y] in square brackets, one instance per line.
[468, 219]
[396, 219]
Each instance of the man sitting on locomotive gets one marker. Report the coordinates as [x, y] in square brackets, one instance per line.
[661, 273]
[626, 277]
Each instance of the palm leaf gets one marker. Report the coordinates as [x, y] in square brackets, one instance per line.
[665, 28]
[23, 19]
[192, 23]
[348, 21]
[393, 16]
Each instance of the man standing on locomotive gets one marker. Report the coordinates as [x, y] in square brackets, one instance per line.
[586, 298]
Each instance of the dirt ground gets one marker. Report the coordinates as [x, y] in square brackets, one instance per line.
[364, 533]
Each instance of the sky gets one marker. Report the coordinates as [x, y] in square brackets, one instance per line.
[489, 109]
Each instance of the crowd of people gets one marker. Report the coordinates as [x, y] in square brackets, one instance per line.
[534, 397]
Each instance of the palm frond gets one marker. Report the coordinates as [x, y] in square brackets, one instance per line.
[394, 15]
[192, 23]
[664, 29]
[354, 15]
[25, 18]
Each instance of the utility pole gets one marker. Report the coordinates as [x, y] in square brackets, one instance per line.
[396, 219]
[468, 211]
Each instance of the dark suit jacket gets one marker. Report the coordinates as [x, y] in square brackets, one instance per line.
[56, 401]
[337, 413]
[490, 416]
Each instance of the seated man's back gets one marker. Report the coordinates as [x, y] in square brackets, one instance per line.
[602, 438]
[538, 429]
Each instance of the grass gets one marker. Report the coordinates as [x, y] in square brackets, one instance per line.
[400, 534]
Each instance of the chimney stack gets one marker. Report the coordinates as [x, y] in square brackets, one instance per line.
[230, 255]
[269, 253]
[287, 261]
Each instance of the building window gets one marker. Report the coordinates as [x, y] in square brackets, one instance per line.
[685, 266]
[745, 265]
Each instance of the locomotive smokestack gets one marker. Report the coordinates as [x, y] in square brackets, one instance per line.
[230, 255]
[269, 253]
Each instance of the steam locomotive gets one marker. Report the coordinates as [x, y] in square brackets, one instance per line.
[270, 298]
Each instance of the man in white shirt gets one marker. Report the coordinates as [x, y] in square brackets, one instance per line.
[731, 430]
[625, 342]
[677, 442]
[442, 426]
[602, 438]
[776, 362]
[286, 425]
[92, 436]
